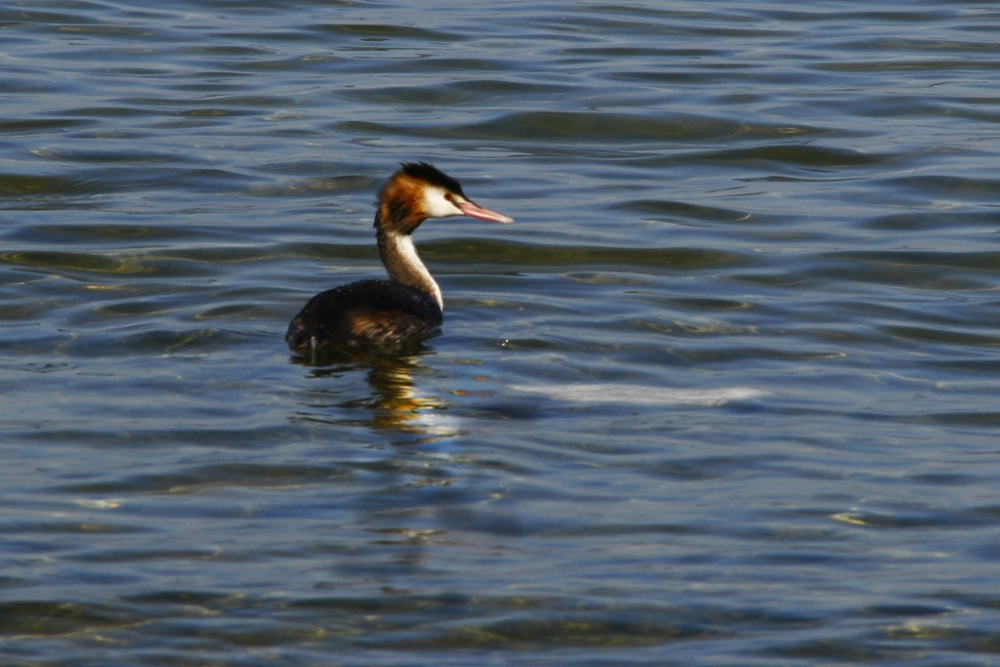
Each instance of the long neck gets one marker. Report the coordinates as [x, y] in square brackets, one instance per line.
[403, 264]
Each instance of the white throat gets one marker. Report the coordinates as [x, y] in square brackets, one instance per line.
[403, 265]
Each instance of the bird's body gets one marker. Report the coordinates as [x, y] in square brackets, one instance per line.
[376, 311]
[408, 305]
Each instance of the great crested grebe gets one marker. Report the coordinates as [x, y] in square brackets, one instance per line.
[407, 305]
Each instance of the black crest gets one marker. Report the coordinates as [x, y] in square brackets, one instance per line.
[432, 175]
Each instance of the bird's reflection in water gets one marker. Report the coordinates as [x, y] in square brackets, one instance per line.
[396, 403]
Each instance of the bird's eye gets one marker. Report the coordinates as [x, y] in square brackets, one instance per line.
[448, 196]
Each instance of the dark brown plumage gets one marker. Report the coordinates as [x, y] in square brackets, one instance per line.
[376, 311]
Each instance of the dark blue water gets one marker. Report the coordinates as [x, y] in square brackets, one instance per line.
[724, 394]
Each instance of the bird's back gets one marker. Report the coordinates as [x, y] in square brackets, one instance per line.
[368, 311]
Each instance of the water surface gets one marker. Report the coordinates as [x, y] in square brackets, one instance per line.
[724, 394]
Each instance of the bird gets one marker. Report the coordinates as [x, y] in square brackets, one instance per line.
[408, 305]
